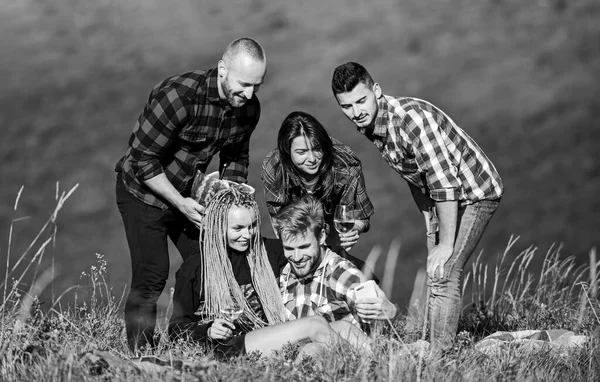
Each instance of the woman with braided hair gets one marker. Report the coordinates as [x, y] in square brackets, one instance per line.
[237, 268]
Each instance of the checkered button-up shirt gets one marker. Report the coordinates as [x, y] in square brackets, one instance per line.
[183, 125]
[325, 293]
[430, 151]
[349, 187]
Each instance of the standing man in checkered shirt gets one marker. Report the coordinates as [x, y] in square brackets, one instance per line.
[317, 281]
[187, 120]
[454, 184]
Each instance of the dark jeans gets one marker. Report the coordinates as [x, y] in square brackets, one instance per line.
[147, 228]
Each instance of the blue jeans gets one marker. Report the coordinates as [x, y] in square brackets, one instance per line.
[445, 301]
[147, 228]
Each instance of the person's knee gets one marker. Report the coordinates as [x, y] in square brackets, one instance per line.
[319, 330]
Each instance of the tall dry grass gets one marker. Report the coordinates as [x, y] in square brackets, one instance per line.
[82, 338]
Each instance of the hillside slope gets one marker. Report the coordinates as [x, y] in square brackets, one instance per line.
[521, 78]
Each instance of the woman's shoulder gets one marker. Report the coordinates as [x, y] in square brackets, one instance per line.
[344, 159]
[271, 159]
[271, 167]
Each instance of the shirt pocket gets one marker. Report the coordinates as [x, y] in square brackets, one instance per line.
[235, 139]
[194, 136]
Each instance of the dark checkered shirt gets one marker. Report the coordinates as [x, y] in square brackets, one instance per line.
[183, 125]
[325, 293]
[349, 187]
[430, 151]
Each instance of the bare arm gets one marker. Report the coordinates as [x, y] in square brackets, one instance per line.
[161, 185]
[440, 254]
[376, 308]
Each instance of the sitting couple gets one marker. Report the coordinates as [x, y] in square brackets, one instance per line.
[313, 304]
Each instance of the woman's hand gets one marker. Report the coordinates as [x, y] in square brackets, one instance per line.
[221, 329]
[348, 239]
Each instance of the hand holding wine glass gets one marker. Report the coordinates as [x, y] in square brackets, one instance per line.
[344, 220]
[223, 327]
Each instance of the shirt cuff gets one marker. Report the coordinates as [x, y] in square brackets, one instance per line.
[147, 170]
[444, 194]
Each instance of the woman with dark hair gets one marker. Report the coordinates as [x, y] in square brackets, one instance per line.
[308, 161]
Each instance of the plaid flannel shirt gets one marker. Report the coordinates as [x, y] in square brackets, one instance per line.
[349, 187]
[431, 152]
[183, 125]
[325, 293]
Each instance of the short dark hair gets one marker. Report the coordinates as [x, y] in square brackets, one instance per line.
[299, 217]
[244, 45]
[348, 75]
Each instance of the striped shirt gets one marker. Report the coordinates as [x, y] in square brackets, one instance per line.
[183, 125]
[325, 293]
[349, 187]
[431, 152]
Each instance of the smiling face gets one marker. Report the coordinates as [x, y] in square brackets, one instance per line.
[306, 157]
[360, 104]
[241, 226]
[240, 78]
[304, 253]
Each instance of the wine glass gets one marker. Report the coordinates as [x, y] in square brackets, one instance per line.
[231, 312]
[343, 218]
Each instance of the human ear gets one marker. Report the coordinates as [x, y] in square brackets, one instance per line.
[377, 90]
[222, 68]
[324, 234]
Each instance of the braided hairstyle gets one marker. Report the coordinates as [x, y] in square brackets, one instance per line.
[219, 285]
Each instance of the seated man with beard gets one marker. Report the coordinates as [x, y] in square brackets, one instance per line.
[239, 270]
[316, 280]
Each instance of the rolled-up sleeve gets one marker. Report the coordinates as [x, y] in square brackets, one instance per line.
[355, 194]
[165, 113]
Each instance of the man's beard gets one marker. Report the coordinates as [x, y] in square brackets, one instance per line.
[230, 96]
[307, 270]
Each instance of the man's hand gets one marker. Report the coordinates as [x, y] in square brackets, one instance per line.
[188, 206]
[221, 329]
[375, 308]
[191, 210]
[437, 259]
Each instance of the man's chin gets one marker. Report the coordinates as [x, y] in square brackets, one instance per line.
[236, 102]
[300, 273]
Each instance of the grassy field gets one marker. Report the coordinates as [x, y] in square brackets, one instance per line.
[82, 338]
[520, 77]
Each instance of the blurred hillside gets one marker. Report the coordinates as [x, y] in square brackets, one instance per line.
[521, 78]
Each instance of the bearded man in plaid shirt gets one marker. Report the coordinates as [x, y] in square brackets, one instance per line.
[453, 182]
[317, 281]
[187, 120]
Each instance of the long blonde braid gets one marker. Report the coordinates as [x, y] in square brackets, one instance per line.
[218, 281]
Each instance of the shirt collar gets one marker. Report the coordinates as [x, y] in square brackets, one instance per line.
[379, 130]
[382, 120]
[295, 184]
[212, 87]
